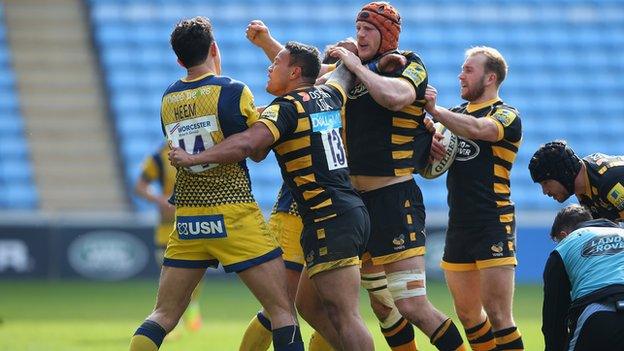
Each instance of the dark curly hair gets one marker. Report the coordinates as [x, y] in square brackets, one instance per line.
[191, 40]
[306, 57]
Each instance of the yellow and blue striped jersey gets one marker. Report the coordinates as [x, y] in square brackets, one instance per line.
[306, 125]
[478, 181]
[197, 114]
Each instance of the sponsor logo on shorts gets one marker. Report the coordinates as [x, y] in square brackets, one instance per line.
[497, 249]
[201, 227]
[399, 242]
[466, 150]
[603, 245]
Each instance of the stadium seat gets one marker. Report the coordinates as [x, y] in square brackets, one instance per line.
[564, 74]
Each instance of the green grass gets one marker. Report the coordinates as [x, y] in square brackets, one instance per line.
[79, 316]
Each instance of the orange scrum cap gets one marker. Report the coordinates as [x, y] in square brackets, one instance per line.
[387, 20]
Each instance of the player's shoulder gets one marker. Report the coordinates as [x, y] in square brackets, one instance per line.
[460, 108]
[229, 83]
[281, 105]
[502, 106]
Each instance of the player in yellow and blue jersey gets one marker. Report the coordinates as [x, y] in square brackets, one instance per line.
[217, 218]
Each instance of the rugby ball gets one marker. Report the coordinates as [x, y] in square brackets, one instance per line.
[438, 167]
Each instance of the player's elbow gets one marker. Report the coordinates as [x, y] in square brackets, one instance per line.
[397, 102]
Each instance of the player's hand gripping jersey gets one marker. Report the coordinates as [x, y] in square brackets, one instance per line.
[605, 191]
[382, 142]
[478, 180]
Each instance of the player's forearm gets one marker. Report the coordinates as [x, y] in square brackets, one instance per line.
[271, 48]
[231, 150]
[142, 190]
[391, 93]
[460, 124]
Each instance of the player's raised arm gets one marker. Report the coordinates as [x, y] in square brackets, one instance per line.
[258, 34]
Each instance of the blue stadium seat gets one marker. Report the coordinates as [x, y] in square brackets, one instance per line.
[564, 73]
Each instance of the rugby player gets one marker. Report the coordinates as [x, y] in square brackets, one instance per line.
[597, 180]
[584, 284]
[217, 218]
[479, 255]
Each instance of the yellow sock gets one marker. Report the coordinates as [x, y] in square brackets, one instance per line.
[258, 335]
[318, 343]
[142, 343]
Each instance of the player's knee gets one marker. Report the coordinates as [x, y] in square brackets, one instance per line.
[409, 293]
[499, 318]
[381, 300]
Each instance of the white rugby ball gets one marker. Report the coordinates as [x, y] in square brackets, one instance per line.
[438, 167]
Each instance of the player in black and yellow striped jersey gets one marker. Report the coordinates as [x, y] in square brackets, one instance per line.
[217, 218]
[303, 127]
[479, 255]
[156, 169]
[397, 331]
[597, 180]
[387, 141]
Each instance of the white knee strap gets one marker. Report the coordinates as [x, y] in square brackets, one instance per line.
[377, 287]
[406, 284]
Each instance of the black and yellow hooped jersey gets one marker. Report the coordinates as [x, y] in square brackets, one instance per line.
[196, 115]
[382, 142]
[285, 202]
[156, 168]
[306, 125]
[478, 181]
[605, 187]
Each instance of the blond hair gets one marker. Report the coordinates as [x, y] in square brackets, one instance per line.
[494, 61]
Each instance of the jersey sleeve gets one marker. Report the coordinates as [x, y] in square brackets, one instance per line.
[281, 119]
[338, 90]
[508, 122]
[556, 303]
[416, 74]
[248, 107]
[149, 169]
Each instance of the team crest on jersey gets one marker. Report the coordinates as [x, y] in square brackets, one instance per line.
[466, 150]
[271, 112]
[616, 196]
[415, 72]
[357, 91]
[506, 117]
[603, 245]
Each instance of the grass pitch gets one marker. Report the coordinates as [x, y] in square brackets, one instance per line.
[81, 316]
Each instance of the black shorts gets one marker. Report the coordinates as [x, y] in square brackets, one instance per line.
[476, 247]
[336, 242]
[397, 215]
[599, 327]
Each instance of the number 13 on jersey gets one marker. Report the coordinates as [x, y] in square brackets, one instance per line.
[328, 124]
[193, 136]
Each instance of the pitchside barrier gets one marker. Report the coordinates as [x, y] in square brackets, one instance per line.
[119, 248]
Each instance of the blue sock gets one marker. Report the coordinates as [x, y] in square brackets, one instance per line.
[287, 338]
